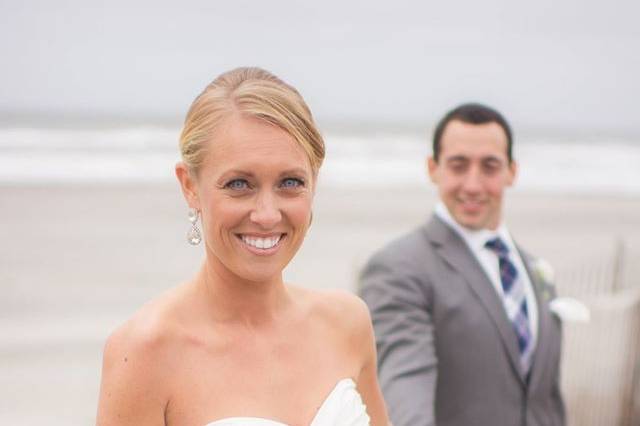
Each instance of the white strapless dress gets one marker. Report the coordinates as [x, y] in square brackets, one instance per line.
[342, 407]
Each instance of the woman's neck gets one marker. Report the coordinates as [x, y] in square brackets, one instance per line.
[230, 298]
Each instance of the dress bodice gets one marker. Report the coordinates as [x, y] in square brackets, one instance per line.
[342, 407]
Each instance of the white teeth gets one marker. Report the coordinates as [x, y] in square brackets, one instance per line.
[261, 243]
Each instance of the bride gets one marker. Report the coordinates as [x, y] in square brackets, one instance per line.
[235, 345]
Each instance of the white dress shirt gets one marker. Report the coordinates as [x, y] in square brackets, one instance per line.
[476, 240]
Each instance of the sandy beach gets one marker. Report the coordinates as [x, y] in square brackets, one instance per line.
[76, 260]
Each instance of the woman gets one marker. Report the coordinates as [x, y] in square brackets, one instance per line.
[235, 345]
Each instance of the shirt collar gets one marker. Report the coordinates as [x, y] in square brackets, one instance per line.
[475, 238]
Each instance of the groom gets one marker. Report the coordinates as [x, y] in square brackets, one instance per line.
[463, 327]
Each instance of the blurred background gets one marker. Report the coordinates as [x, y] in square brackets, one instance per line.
[92, 223]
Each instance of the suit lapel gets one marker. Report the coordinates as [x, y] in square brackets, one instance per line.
[457, 254]
[541, 352]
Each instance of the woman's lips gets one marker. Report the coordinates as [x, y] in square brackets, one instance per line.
[262, 245]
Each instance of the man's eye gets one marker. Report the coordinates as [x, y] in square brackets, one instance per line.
[292, 183]
[458, 167]
[490, 168]
[237, 184]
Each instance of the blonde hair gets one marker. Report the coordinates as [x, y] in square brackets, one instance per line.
[257, 93]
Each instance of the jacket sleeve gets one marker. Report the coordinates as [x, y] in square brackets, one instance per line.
[407, 364]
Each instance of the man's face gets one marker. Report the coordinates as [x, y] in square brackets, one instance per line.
[472, 172]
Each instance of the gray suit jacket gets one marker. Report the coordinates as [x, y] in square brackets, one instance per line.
[447, 353]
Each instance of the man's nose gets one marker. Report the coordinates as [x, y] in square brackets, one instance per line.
[473, 180]
[266, 211]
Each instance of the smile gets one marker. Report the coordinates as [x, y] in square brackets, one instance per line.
[262, 243]
[472, 204]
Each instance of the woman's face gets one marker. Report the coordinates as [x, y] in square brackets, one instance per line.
[254, 191]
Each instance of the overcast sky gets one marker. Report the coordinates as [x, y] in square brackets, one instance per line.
[546, 64]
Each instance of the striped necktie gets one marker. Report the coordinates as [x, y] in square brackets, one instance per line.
[515, 301]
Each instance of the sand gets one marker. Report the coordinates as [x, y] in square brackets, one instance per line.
[77, 260]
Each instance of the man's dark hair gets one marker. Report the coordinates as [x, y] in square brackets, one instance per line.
[472, 113]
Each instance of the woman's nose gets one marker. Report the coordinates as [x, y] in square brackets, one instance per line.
[266, 212]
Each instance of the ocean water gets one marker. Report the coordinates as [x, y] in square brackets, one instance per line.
[145, 154]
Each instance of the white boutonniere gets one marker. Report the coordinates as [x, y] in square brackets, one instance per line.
[568, 309]
[545, 271]
[545, 277]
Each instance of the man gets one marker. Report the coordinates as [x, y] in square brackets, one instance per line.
[464, 332]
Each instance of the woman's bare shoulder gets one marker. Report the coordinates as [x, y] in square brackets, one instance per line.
[341, 309]
[149, 327]
[139, 335]
[136, 360]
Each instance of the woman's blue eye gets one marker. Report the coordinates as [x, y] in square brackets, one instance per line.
[292, 183]
[237, 184]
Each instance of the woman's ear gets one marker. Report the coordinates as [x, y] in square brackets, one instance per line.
[188, 185]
